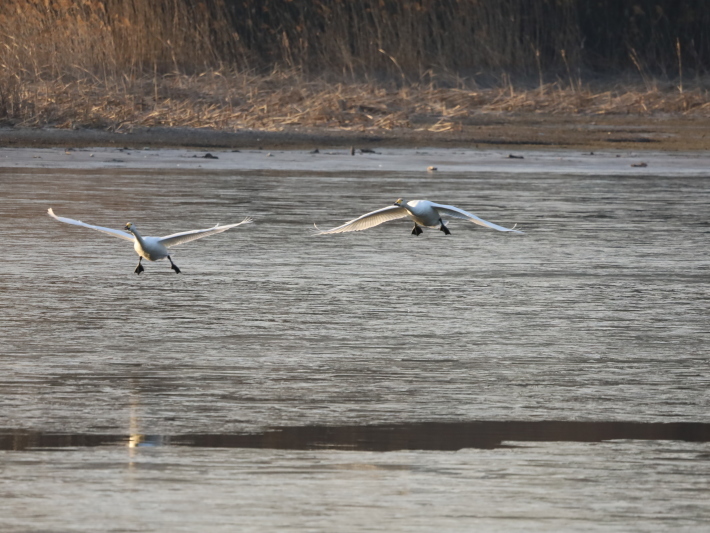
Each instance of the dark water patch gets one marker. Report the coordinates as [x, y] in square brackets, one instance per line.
[632, 140]
[436, 436]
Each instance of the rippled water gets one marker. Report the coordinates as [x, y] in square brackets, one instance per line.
[598, 314]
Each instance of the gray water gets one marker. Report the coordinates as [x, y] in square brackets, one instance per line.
[242, 393]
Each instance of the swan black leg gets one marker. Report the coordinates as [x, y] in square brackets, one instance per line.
[139, 268]
[444, 228]
[417, 230]
[173, 266]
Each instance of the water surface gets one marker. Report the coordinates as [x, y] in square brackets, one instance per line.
[597, 315]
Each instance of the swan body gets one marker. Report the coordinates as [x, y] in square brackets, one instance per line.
[152, 248]
[421, 212]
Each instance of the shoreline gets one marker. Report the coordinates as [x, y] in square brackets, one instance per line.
[528, 132]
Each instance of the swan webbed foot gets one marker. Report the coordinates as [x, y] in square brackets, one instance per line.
[444, 228]
[417, 230]
[173, 266]
[139, 268]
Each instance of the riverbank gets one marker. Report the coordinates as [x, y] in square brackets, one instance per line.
[523, 131]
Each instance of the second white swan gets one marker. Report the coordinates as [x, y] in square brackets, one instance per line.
[422, 212]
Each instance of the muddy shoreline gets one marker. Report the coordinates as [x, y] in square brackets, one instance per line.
[530, 132]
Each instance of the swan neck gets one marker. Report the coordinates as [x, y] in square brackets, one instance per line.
[138, 236]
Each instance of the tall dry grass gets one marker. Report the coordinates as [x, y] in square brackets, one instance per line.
[58, 38]
[346, 63]
[406, 38]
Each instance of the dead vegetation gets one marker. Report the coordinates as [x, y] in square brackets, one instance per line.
[358, 65]
[282, 100]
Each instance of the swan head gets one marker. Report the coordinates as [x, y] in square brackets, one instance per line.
[130, 227]
[400, 201]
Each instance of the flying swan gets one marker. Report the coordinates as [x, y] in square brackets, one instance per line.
[422, 212]
[152, 248]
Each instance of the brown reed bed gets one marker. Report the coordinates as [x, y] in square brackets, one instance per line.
[289, 100]
[276, 64]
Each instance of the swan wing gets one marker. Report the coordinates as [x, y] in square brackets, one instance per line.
[369, 220]
[455, 212]
[187, 236]
[109, 231]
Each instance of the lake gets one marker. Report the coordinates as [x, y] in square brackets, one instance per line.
[368, 381]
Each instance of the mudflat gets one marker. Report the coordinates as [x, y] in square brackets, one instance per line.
[525, 131]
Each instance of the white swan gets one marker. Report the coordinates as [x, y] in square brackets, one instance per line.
[152, 248]
[422, 212]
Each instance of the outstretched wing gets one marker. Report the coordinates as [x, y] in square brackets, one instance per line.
[114, 232]
[455, 212]
[369, 220]
[187, 236]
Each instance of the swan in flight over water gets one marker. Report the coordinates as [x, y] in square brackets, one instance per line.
[422, 212]
[152, 248]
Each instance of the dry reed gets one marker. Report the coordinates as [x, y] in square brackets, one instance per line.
[353, 64]
[282, 100]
